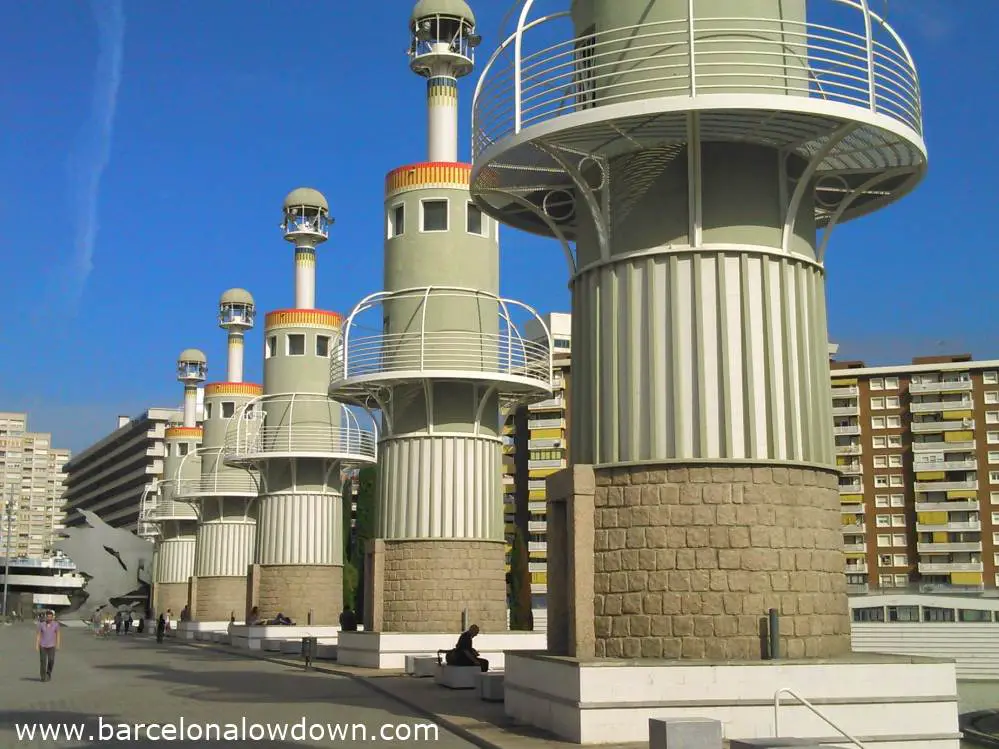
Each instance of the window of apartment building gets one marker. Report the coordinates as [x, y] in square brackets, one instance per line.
[296, 344]
[934, 614]
[894, 422]
[877, 404]
[228, 409]
[896, 480]
[880, 461]
[884, 541]
[473, 220]
[880, 443]
[882, 521]
[884, 560]
[881, 500]
[895, 461]
[992, 438]
[892, 401]
[992, 417]
[878, 422]
[901, 581]
[900, 560]
[993, 456]
[434, 215]
[877, 383]
[898, 500]
[323, 346]
[881, 482]
[270, 346]
[995, 539]
[894, 440]
[898, 521]
[990, 378]
[903, 613]
[994, 477]
[397, 220]
[898, 539]
[992, 396]
[871, 613]
[891, 383]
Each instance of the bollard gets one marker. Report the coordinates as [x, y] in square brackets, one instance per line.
[464, 619]
[773, 632]
[310, 617]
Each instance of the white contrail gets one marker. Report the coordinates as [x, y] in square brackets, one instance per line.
[91, 157]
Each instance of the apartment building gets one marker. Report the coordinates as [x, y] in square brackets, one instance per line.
[918, 447]
[535, 445]
[31, 486]
[110, 477]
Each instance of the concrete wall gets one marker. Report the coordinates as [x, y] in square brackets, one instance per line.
[974, 646]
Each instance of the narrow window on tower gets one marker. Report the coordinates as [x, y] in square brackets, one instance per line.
[228, 409]
[296, 344]
[323, 346]
[397, 220]
[434, 215]
[208, 410]
[271, 346]
[474, 220]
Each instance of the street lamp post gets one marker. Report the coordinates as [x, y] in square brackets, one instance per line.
[9, 513]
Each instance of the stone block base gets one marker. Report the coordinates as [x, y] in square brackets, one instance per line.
[426, 585]
[298, 591]
[253, 638]
[388, 650]
[217, 598]
[169, 596]
[888, 702]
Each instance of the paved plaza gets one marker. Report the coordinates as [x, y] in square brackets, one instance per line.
[132, 680]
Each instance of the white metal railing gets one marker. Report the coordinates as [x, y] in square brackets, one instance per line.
[957, 525]
[849, 449]
[930, 407]
[931, 427]
[846, 410]
[845, 391]
[854, 548]
[850, 488]
[498, 347]
[945, 465]
[815, 711]
[950, 447]
[854, 529]
[167, 506]
[847, 430]
[942, 567]
[223, 480]
[301, 423]
[864, 64]
[947, 547]
[969, 505]
[943, 486]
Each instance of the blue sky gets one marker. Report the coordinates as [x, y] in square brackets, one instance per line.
[147, 145]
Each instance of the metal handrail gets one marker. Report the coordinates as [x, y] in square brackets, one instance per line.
[790, 692]
[239, 480]
[364, 351]
[681, 58]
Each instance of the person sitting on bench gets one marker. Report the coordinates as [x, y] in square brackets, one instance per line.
[464, 654]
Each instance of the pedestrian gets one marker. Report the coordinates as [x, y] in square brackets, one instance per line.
[160, 628]
[128, 622]
[48, 638]
[169, 619]
[117, 623]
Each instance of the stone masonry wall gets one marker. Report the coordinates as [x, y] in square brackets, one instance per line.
[169, 596]
[294, 590]
[428, 584]
[217, 598]
[687, 561]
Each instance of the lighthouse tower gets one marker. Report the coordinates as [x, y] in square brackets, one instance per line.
[694, 158]
[299, 440]
[225, 496]
[177, 519]
[439, 354]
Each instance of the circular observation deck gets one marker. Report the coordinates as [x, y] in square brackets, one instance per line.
[224, 481]
[298, 425]
[441, 333]
[845, 98]
[167, 506]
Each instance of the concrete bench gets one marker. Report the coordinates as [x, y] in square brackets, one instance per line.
[685, 733]
[774, 743]
[325, 652]
[421, 665]
[457, 677]
[490, 686]
[271, 645]
[292, 647]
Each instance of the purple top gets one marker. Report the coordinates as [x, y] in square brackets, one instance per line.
[47, 632]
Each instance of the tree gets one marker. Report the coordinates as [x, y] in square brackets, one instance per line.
[521, 613]
[364, 529]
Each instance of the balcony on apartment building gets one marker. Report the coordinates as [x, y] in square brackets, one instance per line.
[537, 508]
[846, 410]
[854, 528]
[855, 548]
[956, 385]
[856, 569]
[942, 446]
[851, 487]
[537, 526]
[944, 486]
[958, 505]
[948, 547]
[940, 568]
[932, 427]
[849, 449]
[957, 526]
[846, 429]
[537, 547]
[847, 391]
[851, 469]
[552, 404]
[533, 465]
[940, 406]
[547, 443]
[546, 423]
[946, 465]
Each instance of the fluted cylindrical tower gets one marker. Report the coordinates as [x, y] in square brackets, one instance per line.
[447, 359]
[300, 444]
[177, 519]
[693, 151]
[225, 495]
